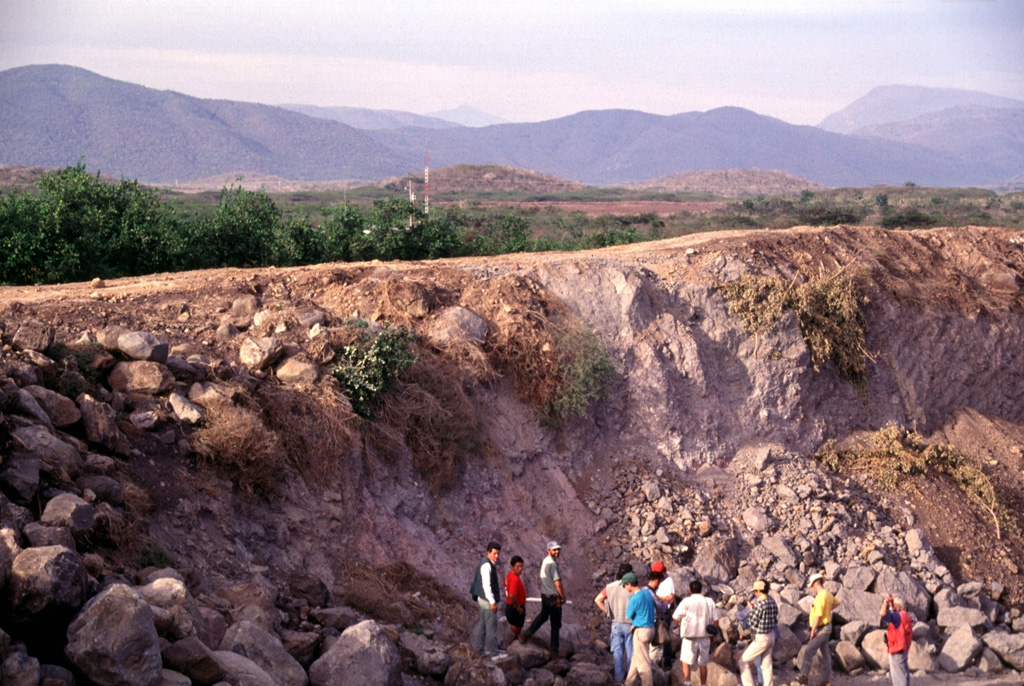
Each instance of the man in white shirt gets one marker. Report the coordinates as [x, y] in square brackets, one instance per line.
[662, 655]
[694, 614]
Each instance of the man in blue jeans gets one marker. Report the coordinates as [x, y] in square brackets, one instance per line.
[613, 601]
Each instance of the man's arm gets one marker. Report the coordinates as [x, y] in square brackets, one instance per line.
[485, 576]
[599, 601]
[561, 593]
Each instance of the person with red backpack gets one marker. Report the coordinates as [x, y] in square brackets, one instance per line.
[899, 634]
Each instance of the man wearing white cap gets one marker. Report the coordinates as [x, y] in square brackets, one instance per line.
[821, 631]
[552, 597]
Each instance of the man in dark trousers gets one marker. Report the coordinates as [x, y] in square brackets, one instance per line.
[552, 597]
[486, 594]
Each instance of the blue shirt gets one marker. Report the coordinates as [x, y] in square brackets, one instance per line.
[641, 610]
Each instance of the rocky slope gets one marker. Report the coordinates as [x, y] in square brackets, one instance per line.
[185, 487]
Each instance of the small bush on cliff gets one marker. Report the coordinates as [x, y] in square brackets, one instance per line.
[366, 367]
[237, 443]
[828, 307]
[585, 368]
[893, 455]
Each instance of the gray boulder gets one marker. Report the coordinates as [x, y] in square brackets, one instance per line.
[857, 605]
[430, 657]
[756, 519]
[778, 547]
[584, 674]
[854, 631]
[530, 654]
[471, 673]
[170, 594]
[47, 580]
[28, 405]
[363, 654]
[859, 578]
[71, 512]
[1009, 647]
[33, 335]
[296, 371]
[48, 447]
[960, 649]
[185, 410]
[191, 657]
[259, 353]
[142, 345]
[263, 648]
[960, 616]
[19, 669]
[457, 324]
[902, 584]
[717, 559]
[920, 659]
[787, 645]
[39, 535]
[148, 378]
[19, 477]
[9, 549]
[241, 671]
[60, 409]
[113, 642]
[849, 658]
[100, 422]
[875, 650]
[106, 488]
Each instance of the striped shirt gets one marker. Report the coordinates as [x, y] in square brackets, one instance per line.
[764, 616]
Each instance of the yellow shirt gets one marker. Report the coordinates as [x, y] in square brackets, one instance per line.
[823, 604]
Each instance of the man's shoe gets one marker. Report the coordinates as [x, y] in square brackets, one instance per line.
[500, 655]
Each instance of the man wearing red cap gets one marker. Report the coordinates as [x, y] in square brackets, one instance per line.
[662, 655]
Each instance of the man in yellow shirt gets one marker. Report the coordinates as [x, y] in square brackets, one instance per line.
[821, 631]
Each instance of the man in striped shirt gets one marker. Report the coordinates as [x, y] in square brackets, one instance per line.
[764, 617]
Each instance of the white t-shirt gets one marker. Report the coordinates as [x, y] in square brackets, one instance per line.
[666, 588]
[694, 614]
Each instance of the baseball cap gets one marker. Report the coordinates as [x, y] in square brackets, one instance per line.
[815, 577]
[629, 578]
[553, 545]
[658, 567]
[760, 585]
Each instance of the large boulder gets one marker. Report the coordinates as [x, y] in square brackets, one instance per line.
[787, 645]
[960, 616]
[33, 335]
[71, 512]
[263, 648]
[60, 409]
[191, 657]
[471, 673]
[717, 559]
[142, 345]
[260, 353]
[298, 371]
[100, 422]
[241, 671]
[148, 378]
[780, 550]
[106, 488]
[857, 605]
[584, 674]
[849, 658]
[1009, 647]
[113, 642]
[19, 477]
[457, 324]
[875, 649]
[960, 649]
[46, 581]
[920, 659]
[890, 582]
[48, 447]
[170, 594]
[859, 578]
[185, 410]
[362, 655]
[19, 669]
[430, 657]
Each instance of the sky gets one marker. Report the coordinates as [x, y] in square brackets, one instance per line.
[529, 60]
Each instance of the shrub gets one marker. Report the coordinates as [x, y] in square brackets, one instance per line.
[828, 307]
[366, 367]
[585, 368]
[893, 455]
[912, 217]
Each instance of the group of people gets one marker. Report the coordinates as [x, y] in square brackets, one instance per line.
[637, 642]
[485, 592]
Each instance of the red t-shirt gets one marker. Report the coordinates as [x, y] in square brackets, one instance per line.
[515, 591]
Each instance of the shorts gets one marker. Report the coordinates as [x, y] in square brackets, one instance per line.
[695, 651]
[514, 616]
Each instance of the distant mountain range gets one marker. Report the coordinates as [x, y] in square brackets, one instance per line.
[53, 115]
[890, 104]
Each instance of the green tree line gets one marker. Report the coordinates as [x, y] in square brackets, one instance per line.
[75, 227]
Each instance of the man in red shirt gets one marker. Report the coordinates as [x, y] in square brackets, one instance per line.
[515, 596]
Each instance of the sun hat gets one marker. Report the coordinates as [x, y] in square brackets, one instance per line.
[815, 577]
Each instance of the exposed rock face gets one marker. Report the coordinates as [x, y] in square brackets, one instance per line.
[113, 640]
[362, 655]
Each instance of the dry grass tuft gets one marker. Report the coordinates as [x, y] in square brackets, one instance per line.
[315, 425]
[237, 443]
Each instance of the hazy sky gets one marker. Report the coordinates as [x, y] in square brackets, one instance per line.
[798, 60]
